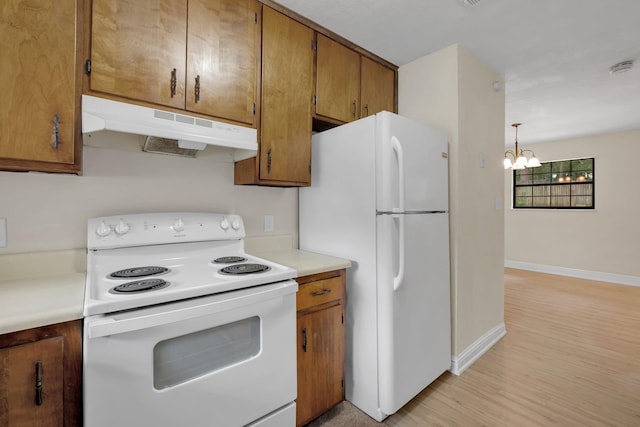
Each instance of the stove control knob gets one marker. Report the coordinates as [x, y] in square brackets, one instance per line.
[178, 225]
[224, 224]
[121, 228]
[235, 224]
[103, 229]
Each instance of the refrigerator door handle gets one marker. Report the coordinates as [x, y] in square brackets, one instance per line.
[397, 148]
[399, 278]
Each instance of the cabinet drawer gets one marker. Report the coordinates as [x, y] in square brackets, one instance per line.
[319, 292]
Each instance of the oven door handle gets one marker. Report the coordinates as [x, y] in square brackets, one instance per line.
[183, 310]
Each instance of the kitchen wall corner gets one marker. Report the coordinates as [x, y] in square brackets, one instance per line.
[452, 90]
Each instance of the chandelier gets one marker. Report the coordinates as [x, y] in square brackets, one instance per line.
[516, 159]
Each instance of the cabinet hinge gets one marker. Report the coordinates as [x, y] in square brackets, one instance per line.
[314, 100]
[87, 66]
[314, 45]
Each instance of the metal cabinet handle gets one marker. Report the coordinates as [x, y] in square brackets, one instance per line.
[56, 131]
[174, 82]
[354, 108]
[38, 383]
[197, 88]
[269, 160]
[366, 109]
[320, 293]
[304, 340]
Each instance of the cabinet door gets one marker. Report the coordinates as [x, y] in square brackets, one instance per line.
[337, 80]
[37, 65]
[31, 384]
[377, 88]
[320, 362]
[222, 54]
[287, 89]
[138, 49]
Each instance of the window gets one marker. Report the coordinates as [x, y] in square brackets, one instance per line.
[567, 184]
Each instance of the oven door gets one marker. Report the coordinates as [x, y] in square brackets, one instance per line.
[224, 360]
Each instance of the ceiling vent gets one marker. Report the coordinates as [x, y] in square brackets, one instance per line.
[621, 67]
[470, 3]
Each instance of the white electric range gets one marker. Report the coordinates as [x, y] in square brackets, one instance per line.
[183, 327]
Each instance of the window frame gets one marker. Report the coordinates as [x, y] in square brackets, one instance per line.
[552, 184]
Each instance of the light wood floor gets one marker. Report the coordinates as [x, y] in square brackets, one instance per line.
[571, 357]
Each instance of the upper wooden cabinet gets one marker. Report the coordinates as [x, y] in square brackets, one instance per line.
[377, 87]
[222, 58]
[337, 80]
[196, 55]
[284, 153]
[349, 85]
[40, 94]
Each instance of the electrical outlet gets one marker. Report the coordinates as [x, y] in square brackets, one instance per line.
[3, 233]
[268, 223]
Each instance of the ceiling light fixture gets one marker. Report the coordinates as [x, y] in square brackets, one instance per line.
[516, 159]
[621, 67]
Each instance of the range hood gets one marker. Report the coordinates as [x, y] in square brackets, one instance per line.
[190, 132]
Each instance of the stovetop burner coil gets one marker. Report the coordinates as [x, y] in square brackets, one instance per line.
[134, 272]
[229, 260]
[244, 269]
[139, 286]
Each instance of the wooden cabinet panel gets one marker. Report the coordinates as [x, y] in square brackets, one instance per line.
[23, 370]
[337, 80]
[377, 88]
[135, 47]
[287, 89]
[320, 362]
[320, 292]
[222, 58]
[50, 356]
[320, 305]
[38, 85]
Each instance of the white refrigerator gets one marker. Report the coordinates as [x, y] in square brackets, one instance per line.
[379, 197]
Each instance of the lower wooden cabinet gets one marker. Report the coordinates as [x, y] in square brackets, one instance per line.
[320, 324]
[41, 376]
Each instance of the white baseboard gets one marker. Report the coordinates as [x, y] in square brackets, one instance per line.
[574, 272]
[480, 346]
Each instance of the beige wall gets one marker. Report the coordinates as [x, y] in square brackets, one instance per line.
[452, 90]
[606, 240]
[49, 211]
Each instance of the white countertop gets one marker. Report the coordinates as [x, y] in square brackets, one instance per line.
[30, 303]
[43, 288]
[280, 249]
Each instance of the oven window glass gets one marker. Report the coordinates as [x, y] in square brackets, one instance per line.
[190, 356]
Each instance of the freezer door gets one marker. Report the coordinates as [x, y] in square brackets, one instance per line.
[414, 345]
[411, 164]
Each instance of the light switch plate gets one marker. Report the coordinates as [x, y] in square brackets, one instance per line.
[3, 233]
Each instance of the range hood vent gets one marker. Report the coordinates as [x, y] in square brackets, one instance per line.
[190, 132]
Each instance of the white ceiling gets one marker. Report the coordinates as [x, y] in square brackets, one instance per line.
[554, 55]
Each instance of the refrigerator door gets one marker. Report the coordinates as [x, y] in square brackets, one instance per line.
[414, 345]
[411, 164]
